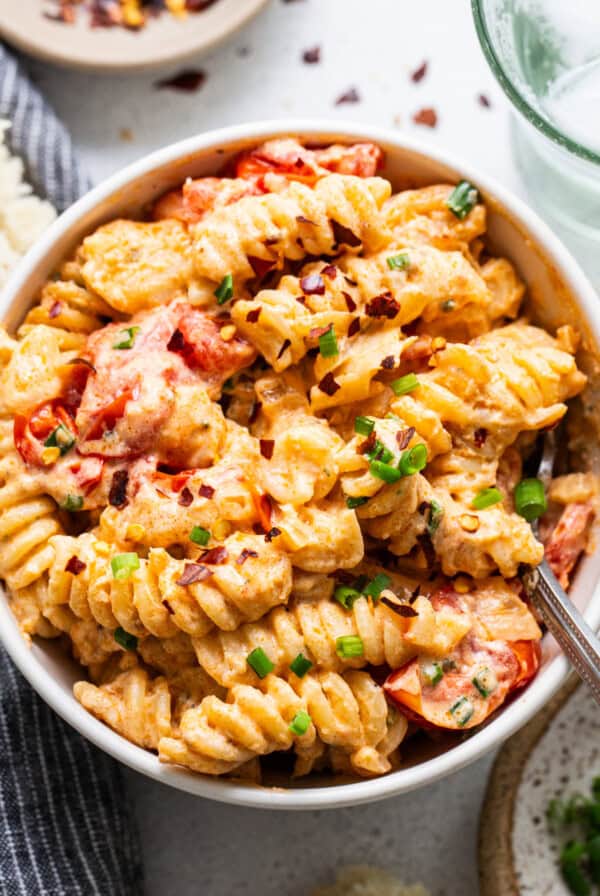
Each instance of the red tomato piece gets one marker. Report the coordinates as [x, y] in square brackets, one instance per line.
[30, 432]
[204, 349]
[196, 198]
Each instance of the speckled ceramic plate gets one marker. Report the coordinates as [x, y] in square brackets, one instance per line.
[556, 755]
[165, 39]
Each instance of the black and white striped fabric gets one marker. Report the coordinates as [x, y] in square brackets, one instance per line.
[66, 828]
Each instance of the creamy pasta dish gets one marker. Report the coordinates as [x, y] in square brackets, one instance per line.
[268, 466]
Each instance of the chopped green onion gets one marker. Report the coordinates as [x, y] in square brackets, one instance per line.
[353, 503]
[462, 711]
[487, 497]
[129, 642]
[377, 585]
[224, 290]
[398, 262]
[328, 346]
[260, 662]
[123, 565]
[448, 305]
[364, 426]
[485, 681]
[384, 471]
[200, 536]
[72, 502]
[300, 665]
[432, 673]
[572, 859]
[413, 460]
[436, 512]
[128, 339]
[346, 596]
[380, 452]
[300, 723]
[61, 438]
[349, 646]
[405, 384]
[530, 500]
[463, 199]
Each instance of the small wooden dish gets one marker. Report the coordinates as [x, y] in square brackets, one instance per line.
[556, 754]
[163, 40]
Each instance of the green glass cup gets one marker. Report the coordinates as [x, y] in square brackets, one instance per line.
[545, 54]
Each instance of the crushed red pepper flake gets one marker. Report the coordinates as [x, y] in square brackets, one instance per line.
[301, 299]
[345, 237]
[193, 572]
[206, 491]
[284, 347]
[188, 80]
[479, 437]
[313, 284]
[177, 342]
[404, 610]
[350, 303]
[266, 448]
[312, 56]
[261, 266]
[388, 363]
[185, 497]
[255, 412]
[354, 327]
[117, 495]
[348, 96]
[368, 444]
[426, 116]
[317, 332]
[246, 553]
[75, 566]
[328, 384]
[253, 315]
[384, 305]
[214, 556]
[484, 101]
[84, 362]
[419, 73]
[272, 533]
[329, 271]
[55, 310]
[404, 436]
[301, 219]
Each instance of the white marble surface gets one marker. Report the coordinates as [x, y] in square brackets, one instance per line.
[192, 846]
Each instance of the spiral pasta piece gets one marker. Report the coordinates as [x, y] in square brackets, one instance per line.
[68, 305]
[152, 600]
[296, 222]
[422, 216]
[349, 712]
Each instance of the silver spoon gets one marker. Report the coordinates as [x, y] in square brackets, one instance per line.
[578, 642]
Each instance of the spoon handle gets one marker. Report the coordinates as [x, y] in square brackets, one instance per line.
[578, 642]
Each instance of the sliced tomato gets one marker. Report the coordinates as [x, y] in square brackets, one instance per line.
[463, 689]
[107, 418]
[30, 432]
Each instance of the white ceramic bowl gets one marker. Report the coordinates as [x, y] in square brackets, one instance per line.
[559, 293]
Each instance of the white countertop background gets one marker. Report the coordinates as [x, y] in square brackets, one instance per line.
[193, 847]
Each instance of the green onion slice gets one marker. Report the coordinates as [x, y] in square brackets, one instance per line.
[487, 497]
[436, 512]
[224, 290]
[300, 665]
[405, 384]
[61, 438]
[200, 536]
[127, 338]
[377, 585]
[328, 346]
[364, 426]
[398, 262]
[530, 500]
[72, 503]
[260, 662]
[432, 673]
[300, 723]
[348, 646]
[380, 452]
[124, 639]
[485, 681]
[413, 460]
[123, 565]
[462, 711]
[358, 501]
[385, 472]
[346, 596]
[463, 199]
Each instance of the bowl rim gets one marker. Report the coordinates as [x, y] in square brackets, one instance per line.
[513, 716]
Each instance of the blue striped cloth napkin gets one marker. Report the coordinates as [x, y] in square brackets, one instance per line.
[66, 827]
